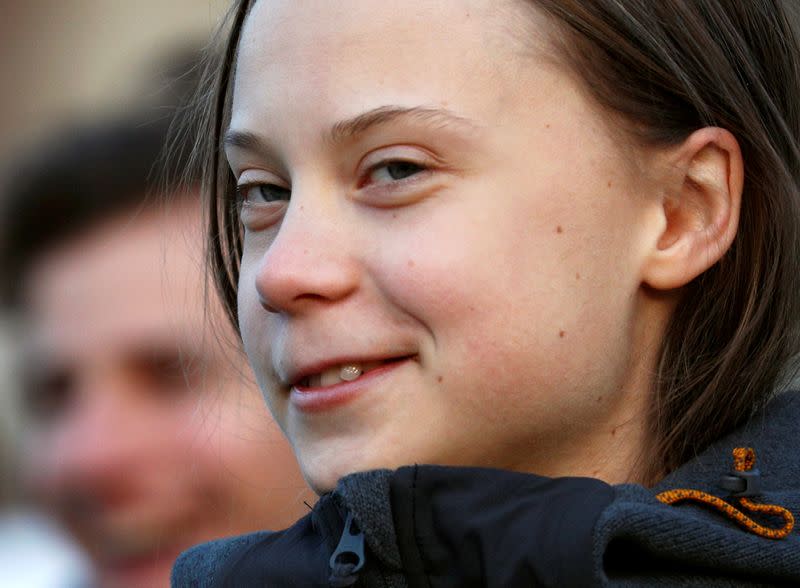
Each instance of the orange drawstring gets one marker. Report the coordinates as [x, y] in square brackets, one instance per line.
[744, 458]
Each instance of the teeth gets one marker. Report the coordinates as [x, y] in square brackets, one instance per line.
[341, 373]
[349, 373]
[338, 374]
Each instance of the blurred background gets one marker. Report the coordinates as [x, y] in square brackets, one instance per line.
[62, 59]
[111, 462]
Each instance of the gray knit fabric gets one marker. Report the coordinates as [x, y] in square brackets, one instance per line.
[366, 495]
[197, 566]
[722, 553]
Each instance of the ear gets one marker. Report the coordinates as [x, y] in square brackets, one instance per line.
[699, 208]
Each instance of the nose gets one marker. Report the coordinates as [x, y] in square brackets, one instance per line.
[310, 261]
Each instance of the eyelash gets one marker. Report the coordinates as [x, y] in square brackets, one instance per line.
[363, 182]
[242, 189]
[385, 164]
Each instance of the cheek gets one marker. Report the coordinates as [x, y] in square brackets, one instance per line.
[246, 427]
[261, 334]
[255, 322]
[246, 302]
[39, 465]
[209, 455]
[252, 317]
[471, 266]
[527, 296]
[244, 466]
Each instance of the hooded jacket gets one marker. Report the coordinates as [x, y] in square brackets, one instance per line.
[443, 527]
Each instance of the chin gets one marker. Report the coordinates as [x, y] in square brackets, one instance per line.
[323, 471]
[324, 480]
[326, 460]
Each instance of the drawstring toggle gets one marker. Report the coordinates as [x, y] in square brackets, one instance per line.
[742, 483]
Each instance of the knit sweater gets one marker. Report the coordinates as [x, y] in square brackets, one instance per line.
[440, 527]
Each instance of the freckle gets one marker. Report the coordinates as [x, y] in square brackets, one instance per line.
[302, 207]
[547, 126]
[439, 379]
[599, 399]
[559, 229]
[613, 431]
[471, 308]
[562, 334]
[411, 263]
[577, 276]
[609, 183]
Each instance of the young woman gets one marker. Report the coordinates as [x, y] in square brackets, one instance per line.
[548, 248]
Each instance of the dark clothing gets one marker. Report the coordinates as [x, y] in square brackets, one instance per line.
[443, 527]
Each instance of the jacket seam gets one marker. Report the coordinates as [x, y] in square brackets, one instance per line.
[414, 521]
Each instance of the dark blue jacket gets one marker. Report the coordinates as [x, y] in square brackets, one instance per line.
[442, 527]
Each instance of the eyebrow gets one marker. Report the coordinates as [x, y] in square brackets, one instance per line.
[348, 129]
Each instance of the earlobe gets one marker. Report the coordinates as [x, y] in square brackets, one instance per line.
[700, 209]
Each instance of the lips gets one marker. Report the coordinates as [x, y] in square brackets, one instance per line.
[345, 372]
[336, 372]
[340, 383]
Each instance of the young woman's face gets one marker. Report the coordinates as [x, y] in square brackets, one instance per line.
[432, 203]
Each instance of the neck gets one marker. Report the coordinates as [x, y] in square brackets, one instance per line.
[613, 444]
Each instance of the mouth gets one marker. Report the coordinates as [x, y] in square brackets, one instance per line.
[342, 372]
[341, 382]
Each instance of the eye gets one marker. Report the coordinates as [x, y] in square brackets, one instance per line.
[263, 193]
[166, 373]
[392, 171]
[49, 393]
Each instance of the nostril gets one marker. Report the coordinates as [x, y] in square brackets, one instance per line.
[266, 305]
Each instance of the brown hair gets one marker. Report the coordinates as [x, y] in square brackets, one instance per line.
[61, 189]
[668, 68]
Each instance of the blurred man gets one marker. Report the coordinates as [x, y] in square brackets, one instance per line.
[145, 436]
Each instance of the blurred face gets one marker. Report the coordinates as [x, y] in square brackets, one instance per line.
[442, 241]
[146, 438]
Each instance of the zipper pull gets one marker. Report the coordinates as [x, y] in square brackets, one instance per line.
[348, 558]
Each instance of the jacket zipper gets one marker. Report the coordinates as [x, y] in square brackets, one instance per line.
[348, 558]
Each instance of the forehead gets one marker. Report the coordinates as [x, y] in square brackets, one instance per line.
[135, 278]
[321, 24]
[307, 56]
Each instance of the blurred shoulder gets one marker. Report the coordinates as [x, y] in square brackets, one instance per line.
[196, 567]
